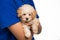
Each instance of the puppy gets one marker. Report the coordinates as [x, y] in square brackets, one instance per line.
[28, 18]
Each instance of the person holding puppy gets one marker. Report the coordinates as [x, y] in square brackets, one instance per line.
[10, 25]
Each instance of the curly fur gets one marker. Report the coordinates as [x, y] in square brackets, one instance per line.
[27, 15]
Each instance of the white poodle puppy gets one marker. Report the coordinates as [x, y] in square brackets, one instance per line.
[28, 18]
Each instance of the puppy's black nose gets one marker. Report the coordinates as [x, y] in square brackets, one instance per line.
[26, 18]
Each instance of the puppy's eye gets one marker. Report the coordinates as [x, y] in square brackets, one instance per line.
[29, 14]
[24, 14]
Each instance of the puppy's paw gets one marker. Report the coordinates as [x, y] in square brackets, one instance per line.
[35, 25]
[35, 30]
[27, 33]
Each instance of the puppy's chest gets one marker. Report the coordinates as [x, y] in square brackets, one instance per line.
[28, 24]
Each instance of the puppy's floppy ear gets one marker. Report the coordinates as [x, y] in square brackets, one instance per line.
[19, 11]
[34, 14]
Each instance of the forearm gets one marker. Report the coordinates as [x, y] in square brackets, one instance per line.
[27, 39]
[17, 31]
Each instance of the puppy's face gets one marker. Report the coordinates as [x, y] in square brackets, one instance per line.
[26, 13]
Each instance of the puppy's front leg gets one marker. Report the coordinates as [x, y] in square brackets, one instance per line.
[34, 29]
[35, 26]
[27, 31]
